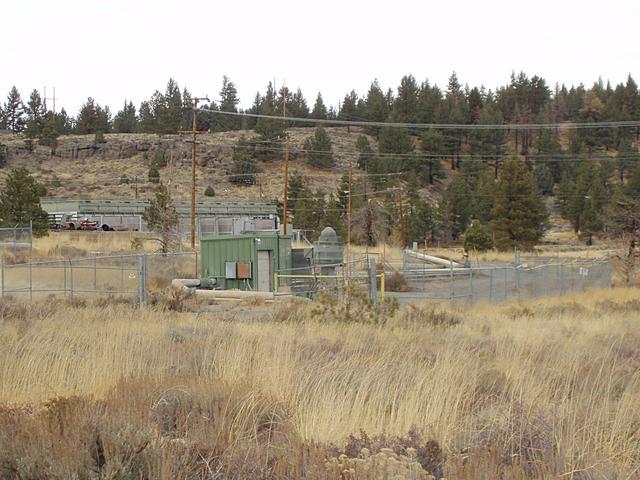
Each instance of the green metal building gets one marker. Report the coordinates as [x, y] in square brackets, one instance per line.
[245, 262]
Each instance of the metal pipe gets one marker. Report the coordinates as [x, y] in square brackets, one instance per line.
[435, 260]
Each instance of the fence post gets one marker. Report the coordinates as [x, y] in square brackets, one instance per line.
[95, 274]
[71, 277]
[452, 292]
[122, 275]
[197, 275]
[517, 271]
[471, 285]
[142, 277]
[30, 238]
[491, 285]
[404, 263]
[2, 273]
[64, 274]
[373, 284]
[30, 280]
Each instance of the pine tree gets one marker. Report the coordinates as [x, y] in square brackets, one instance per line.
[244, 165]
[550, 152]
[543, 178]
[519, 215]
[458, 199]
[92, 118]
[269, 128]
[419, 216]
[64, 124]
[14, 111]
[405, 105]
[477, 237]
[298, 107]
[297, 183]
[168, 109]
[483, 198]
[395, 140]
[625, 159]
[147, 118]
[49, 135]
[36, 113]
[318, 150]
[228, 103]
[319, 109]
[20, 202]
[365, 152]
[429, 99]
[348, 108]
[632, 187]
[376, 107]
[432, 144]
[162, 217]
[126, 120]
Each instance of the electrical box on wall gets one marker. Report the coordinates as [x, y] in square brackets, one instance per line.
[243, 270]
[230, 270]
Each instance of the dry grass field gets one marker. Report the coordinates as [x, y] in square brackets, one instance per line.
[546, 389]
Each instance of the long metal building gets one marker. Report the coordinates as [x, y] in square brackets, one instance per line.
[215, 218]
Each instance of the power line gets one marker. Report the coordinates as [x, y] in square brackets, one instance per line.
[426, 155]
[437, 126]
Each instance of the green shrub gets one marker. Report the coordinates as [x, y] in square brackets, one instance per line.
[209, 192]
[154, 174]
[160, 158]
[477, 237]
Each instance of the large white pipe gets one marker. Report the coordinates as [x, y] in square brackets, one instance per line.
[190, 284]
[185, 283]
[435, 260]
[234, 294]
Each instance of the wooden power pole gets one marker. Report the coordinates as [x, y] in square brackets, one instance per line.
[194, 133]
[349, 226]
[286, 163]
[286, 183]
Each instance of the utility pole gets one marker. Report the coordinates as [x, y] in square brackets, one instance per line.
[401, 213]
[349, 227]
[194, 132]
[286, 164]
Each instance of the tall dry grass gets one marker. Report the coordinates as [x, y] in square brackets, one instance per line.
[527, 390]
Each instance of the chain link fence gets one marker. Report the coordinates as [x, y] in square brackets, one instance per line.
[133, 276]
[16, 238]
[497, 283]
[129, 276]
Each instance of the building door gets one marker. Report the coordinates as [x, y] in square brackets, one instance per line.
[265, 270]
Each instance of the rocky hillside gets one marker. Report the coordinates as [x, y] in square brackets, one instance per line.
[81, 167]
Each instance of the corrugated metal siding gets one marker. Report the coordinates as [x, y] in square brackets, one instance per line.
[107, 206]
[217, 250]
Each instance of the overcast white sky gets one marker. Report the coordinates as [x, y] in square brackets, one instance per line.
[117, 49]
